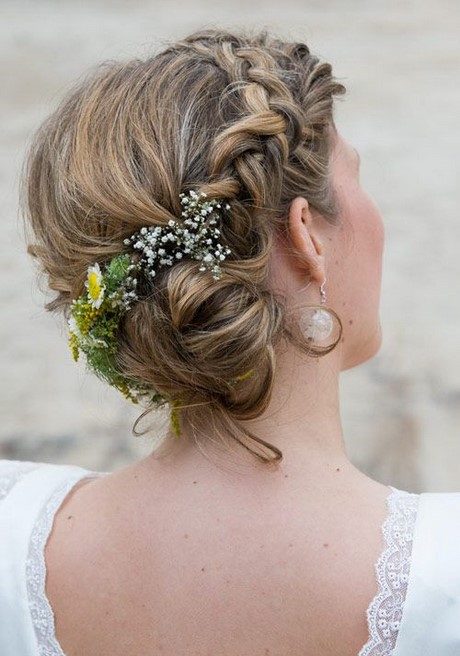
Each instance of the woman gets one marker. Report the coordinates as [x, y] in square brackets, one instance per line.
[202, 222]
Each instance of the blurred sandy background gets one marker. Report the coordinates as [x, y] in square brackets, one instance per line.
[400, 61]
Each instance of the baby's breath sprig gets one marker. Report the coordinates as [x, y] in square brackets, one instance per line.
[196, 237]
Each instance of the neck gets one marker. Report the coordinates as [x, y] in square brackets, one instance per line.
[302, 420]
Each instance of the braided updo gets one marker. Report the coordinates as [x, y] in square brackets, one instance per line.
[241, 118]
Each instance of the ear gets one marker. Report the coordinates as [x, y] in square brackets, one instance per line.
[308, 248]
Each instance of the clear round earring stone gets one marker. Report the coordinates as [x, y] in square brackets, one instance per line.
[316, 325]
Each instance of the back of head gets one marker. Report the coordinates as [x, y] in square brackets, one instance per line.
[242, 118]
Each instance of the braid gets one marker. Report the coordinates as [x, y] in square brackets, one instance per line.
[268, 125]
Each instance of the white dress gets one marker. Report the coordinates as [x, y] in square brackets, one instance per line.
[416, 611]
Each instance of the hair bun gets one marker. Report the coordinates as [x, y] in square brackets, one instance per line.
[210, 335]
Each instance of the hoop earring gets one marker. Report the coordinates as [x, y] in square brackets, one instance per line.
[317, 323]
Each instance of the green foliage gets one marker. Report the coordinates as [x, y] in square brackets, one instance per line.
[117, 271]
[94, 325]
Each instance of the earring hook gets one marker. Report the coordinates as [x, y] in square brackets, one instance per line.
[322, 292]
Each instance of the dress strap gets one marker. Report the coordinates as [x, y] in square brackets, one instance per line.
[19, 511]
[431, 621]
[392, 573]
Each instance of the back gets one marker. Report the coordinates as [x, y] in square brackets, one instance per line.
[196, 566]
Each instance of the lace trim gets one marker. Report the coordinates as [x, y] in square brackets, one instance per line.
[40, 608]
[392, 570]
[12, 471]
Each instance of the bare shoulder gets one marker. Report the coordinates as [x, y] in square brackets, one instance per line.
[152, 567]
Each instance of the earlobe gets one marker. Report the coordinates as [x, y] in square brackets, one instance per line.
[308, 247]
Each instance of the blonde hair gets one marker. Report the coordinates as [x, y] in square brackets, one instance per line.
[239, 117]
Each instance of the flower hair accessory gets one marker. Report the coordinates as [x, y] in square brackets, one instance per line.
[95, 316]
[196, 237]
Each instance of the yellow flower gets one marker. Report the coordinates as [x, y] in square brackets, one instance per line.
[245, 375]
[174, 413]
[73, 343]
[95, 286]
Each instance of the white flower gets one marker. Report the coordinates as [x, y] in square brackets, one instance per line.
[95, 286]
[73, 327]
[95, 342]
